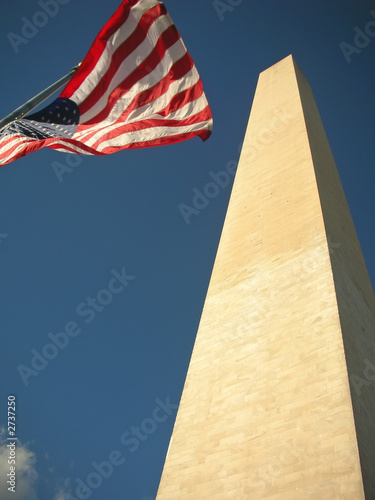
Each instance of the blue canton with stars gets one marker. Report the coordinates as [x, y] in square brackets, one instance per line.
[59, 119]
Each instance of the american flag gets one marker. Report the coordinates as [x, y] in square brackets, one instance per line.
[137, 87]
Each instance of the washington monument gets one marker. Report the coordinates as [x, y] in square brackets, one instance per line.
[279, 399]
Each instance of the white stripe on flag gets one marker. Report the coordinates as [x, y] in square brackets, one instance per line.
[151, 134]
[186, 82]
[157, 105]
[104, 62]
[189, 80]
[127, 67]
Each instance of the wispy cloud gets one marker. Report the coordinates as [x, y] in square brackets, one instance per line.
[26, 471]
[62, 495]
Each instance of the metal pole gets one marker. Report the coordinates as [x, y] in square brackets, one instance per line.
[38, 99]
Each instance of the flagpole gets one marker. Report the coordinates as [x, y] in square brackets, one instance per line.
[38, 99]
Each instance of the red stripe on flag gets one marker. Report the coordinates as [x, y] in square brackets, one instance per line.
[151, 123]
[177, 71]
[15, 139]
[167, 39]
[182, 66]
[29, 146]
[204, 134]
[64, 143]
[183, 98]
[98, 46]
[123, 51]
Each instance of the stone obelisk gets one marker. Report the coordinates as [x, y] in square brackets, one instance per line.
[279, 399]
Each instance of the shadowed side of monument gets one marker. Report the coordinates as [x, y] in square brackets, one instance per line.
[354, 292]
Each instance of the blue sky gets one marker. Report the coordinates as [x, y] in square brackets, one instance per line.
[99, 413]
